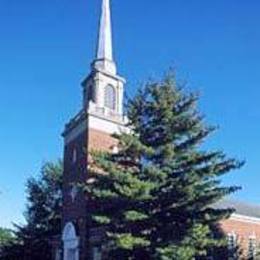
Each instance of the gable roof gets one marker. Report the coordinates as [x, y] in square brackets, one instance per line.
[242, 208]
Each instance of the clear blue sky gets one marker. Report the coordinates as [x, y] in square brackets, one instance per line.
[46, 48]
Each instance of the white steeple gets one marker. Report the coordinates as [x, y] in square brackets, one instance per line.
[104, 48]
[103, 88]
[104, 56]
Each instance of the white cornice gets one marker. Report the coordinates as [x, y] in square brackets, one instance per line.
[73, 133]
[106, 125]
[247, 219]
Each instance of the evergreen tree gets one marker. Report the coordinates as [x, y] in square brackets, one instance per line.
[6, 237]
[43, 217]
[155, 195]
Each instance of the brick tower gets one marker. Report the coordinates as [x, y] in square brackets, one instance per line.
[101, 115]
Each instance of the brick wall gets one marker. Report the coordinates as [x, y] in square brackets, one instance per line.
[99, 140]
[76, 171]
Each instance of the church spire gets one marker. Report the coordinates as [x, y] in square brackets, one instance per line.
[103, 88]
[104, 49]
[104, 56]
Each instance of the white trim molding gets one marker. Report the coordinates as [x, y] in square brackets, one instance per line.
[106, 125]
[247, 219]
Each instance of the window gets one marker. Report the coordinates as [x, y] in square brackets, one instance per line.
[115, 149]
[110, 97]
[74, 192]
[232, 245]
[232, 241]
[252, 247]
[91, 93]
[74, 155]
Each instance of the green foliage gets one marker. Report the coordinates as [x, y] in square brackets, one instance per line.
[6, 237]
[43, 217]
[45, 199]
[157, 194]
[128, 241]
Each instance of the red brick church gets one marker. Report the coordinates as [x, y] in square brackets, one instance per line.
[101, 115]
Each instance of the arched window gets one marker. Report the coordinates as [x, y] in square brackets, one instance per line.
[110, 97]
[74, 192]
[74, 155]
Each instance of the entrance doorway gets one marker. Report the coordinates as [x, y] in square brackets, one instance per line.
[70, 242]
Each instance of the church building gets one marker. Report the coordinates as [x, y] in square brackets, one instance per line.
[100, 116]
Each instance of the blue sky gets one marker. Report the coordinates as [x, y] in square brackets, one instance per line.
[46, 48]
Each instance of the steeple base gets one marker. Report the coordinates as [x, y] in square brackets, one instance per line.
[105, 65]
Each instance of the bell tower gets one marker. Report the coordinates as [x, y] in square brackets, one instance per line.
[103, 88]
[100, 116]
